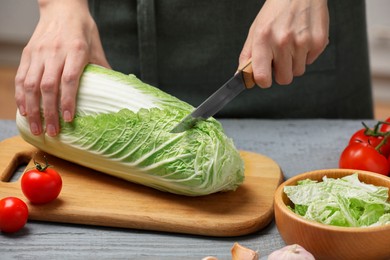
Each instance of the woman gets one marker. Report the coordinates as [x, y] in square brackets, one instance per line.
[190, 48]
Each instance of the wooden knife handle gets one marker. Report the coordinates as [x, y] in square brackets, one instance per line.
[247, 74]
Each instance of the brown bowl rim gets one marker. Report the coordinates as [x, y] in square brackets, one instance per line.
[293, 180]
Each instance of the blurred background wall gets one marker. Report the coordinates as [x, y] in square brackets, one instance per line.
[378, 26]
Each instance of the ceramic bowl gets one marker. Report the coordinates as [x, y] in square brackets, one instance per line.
[332, 242]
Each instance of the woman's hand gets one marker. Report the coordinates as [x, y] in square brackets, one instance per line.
[64, 41]
[284, 37]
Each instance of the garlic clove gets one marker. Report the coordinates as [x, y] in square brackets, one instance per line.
[291, 252]
[240, 252]
[209, 258]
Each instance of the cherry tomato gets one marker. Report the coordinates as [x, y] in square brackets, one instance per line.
[374, 141]
[385, 149]
[364, 157]
[360, 137]
[42, 184]
[385, 127]
[388, 159]
[13, 214]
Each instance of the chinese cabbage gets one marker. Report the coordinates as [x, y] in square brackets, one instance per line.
[122, 128]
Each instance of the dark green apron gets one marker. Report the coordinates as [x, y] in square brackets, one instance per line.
[190, 48]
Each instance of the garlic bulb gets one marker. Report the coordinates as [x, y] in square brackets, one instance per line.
[240, 252]
[291, 252]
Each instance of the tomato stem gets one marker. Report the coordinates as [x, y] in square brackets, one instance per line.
[41, 167]
[383, 142]
[376, 133]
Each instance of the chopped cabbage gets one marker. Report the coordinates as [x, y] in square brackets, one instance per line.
[122, 128]
[343, 202]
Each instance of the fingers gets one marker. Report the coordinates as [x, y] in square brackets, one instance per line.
[284, 38]
[19, 82]
[98, 56]
[261, 59]
[282, 59]
[38, 82]
[246, 51]
[299, 55]
[262, 65]
[319, 33]
[49, 90]
[32, 97]
[319, 42]
[75, 63]
[282, 56]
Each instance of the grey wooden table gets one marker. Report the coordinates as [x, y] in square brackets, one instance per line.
[296, 145]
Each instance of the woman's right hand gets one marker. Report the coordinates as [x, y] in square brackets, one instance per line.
[65, 40]
[284, 38]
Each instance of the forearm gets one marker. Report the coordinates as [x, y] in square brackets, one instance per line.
[44, 4]
[48, 8]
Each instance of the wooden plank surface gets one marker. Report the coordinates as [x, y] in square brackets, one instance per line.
[94, 198]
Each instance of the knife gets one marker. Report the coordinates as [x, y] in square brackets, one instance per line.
[241, 81]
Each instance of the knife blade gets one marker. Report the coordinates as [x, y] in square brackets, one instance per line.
[241, 81]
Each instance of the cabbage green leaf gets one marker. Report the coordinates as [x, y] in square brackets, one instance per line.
[345, 201]
[122, 128]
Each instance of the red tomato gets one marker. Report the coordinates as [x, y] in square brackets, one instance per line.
[360, 137]
[13, 214]
[385, 127]
[41, 185]
[363, 157]
[385, 149]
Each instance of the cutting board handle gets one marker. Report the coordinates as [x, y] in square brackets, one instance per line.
[13, 154]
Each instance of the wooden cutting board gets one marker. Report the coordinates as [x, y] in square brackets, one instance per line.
[93, 198]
